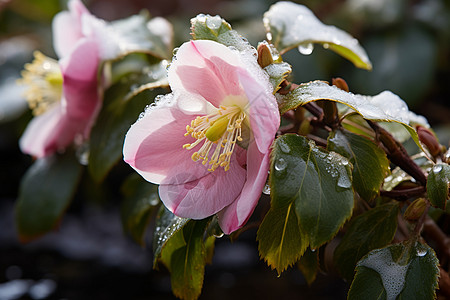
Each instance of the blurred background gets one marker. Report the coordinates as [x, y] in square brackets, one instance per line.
[89, 256]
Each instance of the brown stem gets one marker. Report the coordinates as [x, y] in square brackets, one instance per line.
[314, 109]
[405, 194]
[444, 283]
[397, 153]
[420, 223]
[318, 140]
[434, 232]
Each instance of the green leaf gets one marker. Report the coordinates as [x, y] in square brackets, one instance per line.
[318, 182]
[277, 73]
[366, 158]
[370, 230]
[214, 28]
[438, 185]
[187, 266]
[309, 265]
[140, 34]
[167, 225]
[113, 122]
[141, 199]
[206, 27]
[401, 271]
[385, 107]
[45, 193]
[311, 195]
[291, 25]
[280, 241]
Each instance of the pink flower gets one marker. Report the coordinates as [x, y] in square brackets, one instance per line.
[208, 142]
[64, 95]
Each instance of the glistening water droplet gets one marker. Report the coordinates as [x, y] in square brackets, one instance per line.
[280, 164]
[437, 169]
[266, 189]
[421, 252]
[306, 49]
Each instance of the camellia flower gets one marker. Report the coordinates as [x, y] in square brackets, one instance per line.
[208, 142]
[63, 94]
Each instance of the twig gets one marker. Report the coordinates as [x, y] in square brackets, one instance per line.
[403, 195]
[435, 233]
[397, 153]
[318, 140]
[444, 283]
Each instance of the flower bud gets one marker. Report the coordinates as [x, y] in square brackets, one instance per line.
[340, 83]
[429, 140]
[264, 55]
[415, 210]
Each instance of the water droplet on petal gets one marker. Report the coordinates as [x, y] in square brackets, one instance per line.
[437, 169]
[218, 235]
[306, 49]
[280, 164]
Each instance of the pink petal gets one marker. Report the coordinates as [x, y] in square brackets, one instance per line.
[154, 145]
[67, 29]
[236, 215]
[262, 110]
[206, 68]
[190, 196]
[80, 85]
[49, 132]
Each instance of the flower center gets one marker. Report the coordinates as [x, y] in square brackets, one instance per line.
[44, 80]
[220, 129]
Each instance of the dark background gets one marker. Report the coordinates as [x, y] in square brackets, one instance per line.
[89, 257]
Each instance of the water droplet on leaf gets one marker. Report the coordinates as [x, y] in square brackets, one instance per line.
[284, 147]
[421, 252]
[306, 49]
[437, 169]
[280, 164]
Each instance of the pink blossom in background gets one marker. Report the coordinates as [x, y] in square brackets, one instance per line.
[67, 89]
[207, 144]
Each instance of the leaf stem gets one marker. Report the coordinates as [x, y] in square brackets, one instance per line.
[397, 153]
[405, 194]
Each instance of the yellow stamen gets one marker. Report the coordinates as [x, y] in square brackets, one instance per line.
[218, 132]
[44, 80]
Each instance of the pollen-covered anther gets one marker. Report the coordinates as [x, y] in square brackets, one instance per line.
[218, 131]
[44, 80]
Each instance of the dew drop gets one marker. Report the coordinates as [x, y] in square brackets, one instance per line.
[284, 147]
[219, 235]
[437, 169]
[306, 49]
[266, 189]
[447, 156]
[214, 22]
[280, 164]
[154, 200]
[344, 182]
[421, 252]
